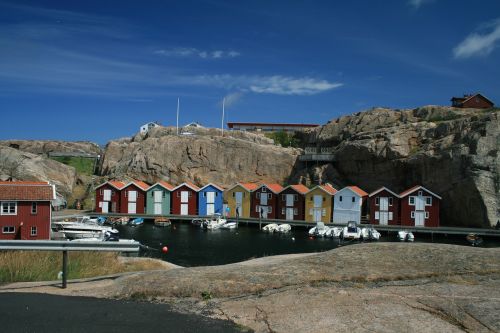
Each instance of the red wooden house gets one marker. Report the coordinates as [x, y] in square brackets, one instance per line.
[264, 201]
[185, 199]
[419, 207]
[384, 207]
[291, 203]
[133, 197]
[107, 197]
[25, 210]
[473, 101]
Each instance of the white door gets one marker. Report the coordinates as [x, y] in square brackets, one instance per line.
[107, 195]
[239, 202]
[264, 211]
[318, 201]
[132, 196]
[383, 217]
[289, 200]
[105, 207]
[210, 209]
[263, 199]
[419, 203]
[158, 208]
[317, 214]
[184, 209]
[289, 213]
[158, 195]
[132, 207]
[419, 219]
[384, 204]
[210, 197]
[185, 196]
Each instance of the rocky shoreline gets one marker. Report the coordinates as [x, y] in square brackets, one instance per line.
[381, 287]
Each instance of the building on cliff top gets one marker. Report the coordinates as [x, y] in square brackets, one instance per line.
[473, 101]
[146, 127]
[269, 127]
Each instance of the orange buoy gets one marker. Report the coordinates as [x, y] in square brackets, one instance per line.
[164, 249]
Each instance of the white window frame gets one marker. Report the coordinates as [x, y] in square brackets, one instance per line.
[8, 227]
[420, 193]
[377, 201]
[430, 201]
[426, 215]
[34, 205]
[295, 197]
[8, 205]
[263, 189]
[295, 212]
[269, 209]
[283, 197]
[323, 212]
[33, 231]
[283, 211]
[412, 215]
[269, 196]
[257, 195]
[410, 199]
[391, 201]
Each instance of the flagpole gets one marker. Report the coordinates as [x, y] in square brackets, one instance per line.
[177, 115]
[222, 122]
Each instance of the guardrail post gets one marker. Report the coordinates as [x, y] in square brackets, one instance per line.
[65, 269]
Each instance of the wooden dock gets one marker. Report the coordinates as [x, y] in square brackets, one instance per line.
[303, 224]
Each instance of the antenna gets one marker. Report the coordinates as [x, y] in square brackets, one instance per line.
[177, 115]
[222, 122]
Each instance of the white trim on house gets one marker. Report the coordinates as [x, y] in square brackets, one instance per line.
[381, 189]
[405, 193]
[214, 185]
[186, 184]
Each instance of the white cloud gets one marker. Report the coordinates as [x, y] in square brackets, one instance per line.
[418, 3]
[232, 98]
[479, 44]
[186, 52]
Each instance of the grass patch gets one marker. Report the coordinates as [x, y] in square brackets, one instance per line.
[25, 266]
[284, 139]
[83, 165]
[444, 117]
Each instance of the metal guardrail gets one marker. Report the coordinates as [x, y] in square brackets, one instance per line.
[65, 246]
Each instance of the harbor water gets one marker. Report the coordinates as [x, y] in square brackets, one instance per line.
[190, 245]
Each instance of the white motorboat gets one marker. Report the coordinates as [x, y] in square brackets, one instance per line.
[334, 232]
[76, 230]
[351, 231]
[214, 223]
[284, 228]
[406, 236]
[229, 225]
[320, 230]
[370, 233]
[270, 227]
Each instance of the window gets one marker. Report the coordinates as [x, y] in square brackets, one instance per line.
[190, 194]
[426, 215]
[258, 195]
[113, 192]
[377, 201]
[204, 194]
[257, 209]
[178, 194]
[163, 194]
[126, 193]
[295, 197]
[323, 212]
[9, 208]
[269, 196]
[411, 201]
[269, 209]
[428, 201]
[233, 194]
[282, 211]
[340, 198]
[412, 215]
[9, 230]
[420, 193]
[33, 231]
[33, 208]
[390, 201]
[353, 199]
[264, 189]
[283, 197]
[101, 192]
[295, 211]
[216, 194]
[310, 211]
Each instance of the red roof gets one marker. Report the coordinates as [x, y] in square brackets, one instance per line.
[115, 183]
[329, 188]
[415, 188]
[188, 184]
[358, 191]
[276, 188]
[249, 186]
[31, 191]
[166, 185]
[300, 188]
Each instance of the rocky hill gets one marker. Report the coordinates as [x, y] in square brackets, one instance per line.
[45, 147]
[205, 156]
[453, 152]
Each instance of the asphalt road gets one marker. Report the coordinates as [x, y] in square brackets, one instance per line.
[24, 312]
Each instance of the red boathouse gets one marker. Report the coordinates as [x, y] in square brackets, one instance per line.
[419, 207]
[25, 210]
[291, 203]
[107, 197]
[264, 201]
[133, 197]
[384, 207]
[185, 199]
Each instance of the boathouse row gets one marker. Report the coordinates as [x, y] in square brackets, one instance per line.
[416, 206]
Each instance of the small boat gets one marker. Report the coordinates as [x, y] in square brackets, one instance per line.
[474, 239]
[123, 220]
[162, 222]
[320, 230]
[76, 230]
[197, 222]
[334, 232]
[406, 236]
[270, 227]
[369, 233]
[351, 231]
[284, 228]
[136, 222]
[101, 220]
[229, 225]
[214, 223]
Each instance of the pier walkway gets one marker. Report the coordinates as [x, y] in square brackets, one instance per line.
[261, 222]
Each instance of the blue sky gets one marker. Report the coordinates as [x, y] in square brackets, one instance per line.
[96, 70]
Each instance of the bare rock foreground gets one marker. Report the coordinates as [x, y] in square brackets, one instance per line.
[389, 287]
